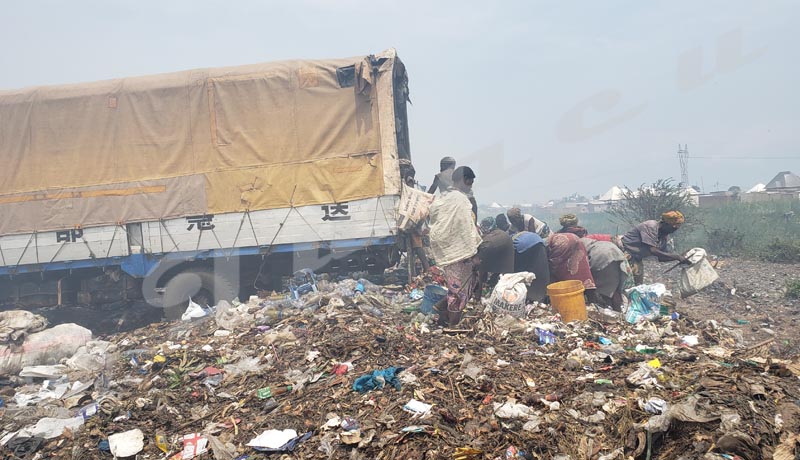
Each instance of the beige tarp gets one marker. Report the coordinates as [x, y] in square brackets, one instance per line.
[204, 141]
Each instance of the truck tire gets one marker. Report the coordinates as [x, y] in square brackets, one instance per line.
[203, 286]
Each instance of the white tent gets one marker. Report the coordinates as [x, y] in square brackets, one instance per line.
[496, 205]
[757, 188]
[613, 194]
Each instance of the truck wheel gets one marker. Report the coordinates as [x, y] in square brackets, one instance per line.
[203, 286]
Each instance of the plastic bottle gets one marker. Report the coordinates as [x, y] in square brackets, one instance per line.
[360, 289]
[269, 392]
[374, 311]
[161, 442]
[270, 405]
[273, 314]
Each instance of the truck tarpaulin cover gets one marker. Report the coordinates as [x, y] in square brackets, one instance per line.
[253, 137]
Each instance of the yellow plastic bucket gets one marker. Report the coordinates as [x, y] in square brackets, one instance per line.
[566, 297]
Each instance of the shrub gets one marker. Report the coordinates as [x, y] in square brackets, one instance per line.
[649, 201]
[785, 251]
[724, 241]
[793, 289]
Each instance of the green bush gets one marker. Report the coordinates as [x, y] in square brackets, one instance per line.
[793, 289]
[649, 201]
[725, 241]
[784, 251]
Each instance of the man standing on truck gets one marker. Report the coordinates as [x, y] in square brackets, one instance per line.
[463, 178]
[444, 179]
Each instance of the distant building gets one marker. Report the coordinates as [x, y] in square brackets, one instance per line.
[599, 206]
[785, 186]
[717, 199]
[785, 180]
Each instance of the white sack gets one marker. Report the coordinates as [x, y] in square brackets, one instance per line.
[46, 347]
[696, 277]
[510, 293]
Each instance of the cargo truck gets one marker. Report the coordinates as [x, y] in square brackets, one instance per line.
[210, 182]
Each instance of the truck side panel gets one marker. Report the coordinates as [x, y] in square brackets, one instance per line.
[372, 217]
[65, 245]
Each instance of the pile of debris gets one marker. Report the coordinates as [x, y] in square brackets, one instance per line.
[355, 370]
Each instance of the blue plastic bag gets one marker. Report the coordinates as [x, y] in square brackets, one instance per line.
[377, 379]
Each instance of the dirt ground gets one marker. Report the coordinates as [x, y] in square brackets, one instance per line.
[592, 391]
[749, 296]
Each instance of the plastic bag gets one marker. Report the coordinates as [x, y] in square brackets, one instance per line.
[231, 318]
[510, 293]
[126, 444]
[93, 357]
[194, 311]
[697, 277]
[244, 366]
[645, 302]
[49, 428]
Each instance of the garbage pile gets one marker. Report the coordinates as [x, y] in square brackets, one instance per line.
[354, 370]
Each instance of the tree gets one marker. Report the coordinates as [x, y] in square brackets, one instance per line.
[648, 202]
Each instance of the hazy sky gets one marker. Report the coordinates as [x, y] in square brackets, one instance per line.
[541, 99]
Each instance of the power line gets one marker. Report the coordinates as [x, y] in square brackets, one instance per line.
[742, 158]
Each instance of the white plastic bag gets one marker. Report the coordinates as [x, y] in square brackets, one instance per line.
[49, 428]
[273, 439]
[697, 277]
[510, 293]
[193, 311]
[44, 372]
[93, 357]
[126, 444]
[232, 318]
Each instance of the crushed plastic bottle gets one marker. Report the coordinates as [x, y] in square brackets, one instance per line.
[274, 312]
[161, 442]
[369, 310]
[360, 289]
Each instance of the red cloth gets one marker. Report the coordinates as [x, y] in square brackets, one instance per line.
[599, 237]
[569, 260]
